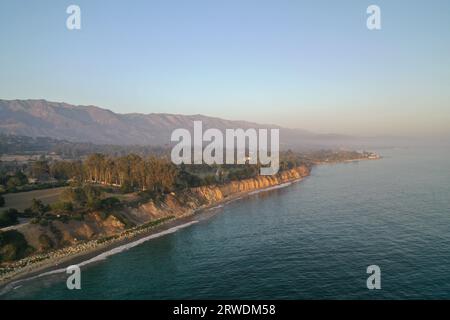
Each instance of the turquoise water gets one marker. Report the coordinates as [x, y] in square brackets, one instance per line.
[313, 239]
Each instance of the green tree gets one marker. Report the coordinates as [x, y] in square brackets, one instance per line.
[160, 175]
[13, 246]
[38, 207]
[74, 195]
[16, 180]
[21, 177]
[65, 206]
[65, 170]
[187, 180]
[40, 169]
[110, 203]
[92, 196]
[13, 183]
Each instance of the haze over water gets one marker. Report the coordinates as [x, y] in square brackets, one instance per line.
[313, 239]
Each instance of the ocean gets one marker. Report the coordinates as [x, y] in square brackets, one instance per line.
[308, 240]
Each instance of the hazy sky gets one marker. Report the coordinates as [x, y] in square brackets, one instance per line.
[306, 64]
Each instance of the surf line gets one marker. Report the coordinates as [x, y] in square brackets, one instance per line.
[119, 249]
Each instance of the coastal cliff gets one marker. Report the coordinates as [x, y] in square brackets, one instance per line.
[212, 194]
[62, 239]
[187, 201]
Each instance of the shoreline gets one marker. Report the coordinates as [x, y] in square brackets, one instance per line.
[347, 161]
[92, 249]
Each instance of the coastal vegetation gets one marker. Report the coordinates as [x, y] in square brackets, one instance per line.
[8, 218]
[13, 246]
[105, 195]
[27, 147]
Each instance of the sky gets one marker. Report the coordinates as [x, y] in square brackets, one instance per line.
[301, 64]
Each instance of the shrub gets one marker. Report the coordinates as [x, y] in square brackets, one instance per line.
[8, 218]
[74, 195]
[46, 242]
[13, 183]
[243, 173]
[43, 222]
[209, 180]
[13, 188]
[28, 213]
[64, 218]
[2, 201]
[77, 217]
[187, 180]
[110, 203]
[38, 207]
[126, 188]
[62, 206]
[34, 221]
[13, 246]
[83, 196]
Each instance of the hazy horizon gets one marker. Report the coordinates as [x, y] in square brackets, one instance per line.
[235, 154]
[307, 65]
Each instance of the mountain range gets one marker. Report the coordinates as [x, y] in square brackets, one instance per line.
[59, 120]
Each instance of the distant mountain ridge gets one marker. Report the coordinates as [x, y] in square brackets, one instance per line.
[59, 120]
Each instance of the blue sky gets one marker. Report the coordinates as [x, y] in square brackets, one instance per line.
[306, 64]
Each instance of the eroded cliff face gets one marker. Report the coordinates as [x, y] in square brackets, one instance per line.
[212, 194]
[185, 202]
[58, 234]
[179, 204]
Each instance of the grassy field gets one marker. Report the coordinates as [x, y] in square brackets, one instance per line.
[22, 200]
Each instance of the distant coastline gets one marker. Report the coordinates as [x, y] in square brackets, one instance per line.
[35, 265]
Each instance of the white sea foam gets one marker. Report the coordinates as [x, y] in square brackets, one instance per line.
[119, 249]
[216, 207]
[283, 185]
[234, 199]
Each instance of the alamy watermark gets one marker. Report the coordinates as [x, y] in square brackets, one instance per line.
[73, 21]
[235, 147]
[374, 20]
[374, 280]
[74, 280]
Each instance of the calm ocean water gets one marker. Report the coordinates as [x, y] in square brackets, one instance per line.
[313, 239]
